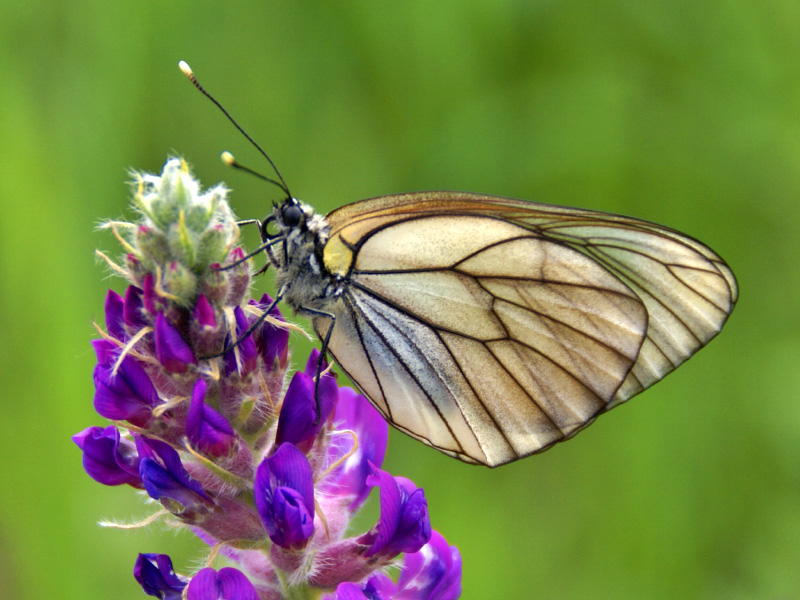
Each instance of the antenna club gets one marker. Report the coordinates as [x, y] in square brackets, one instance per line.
[228, 158]
[187, 70]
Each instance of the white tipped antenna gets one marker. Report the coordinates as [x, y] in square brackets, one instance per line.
[187, 70]
[231, 161]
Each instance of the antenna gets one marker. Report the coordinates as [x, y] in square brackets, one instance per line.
[187, 70]
[231, 161]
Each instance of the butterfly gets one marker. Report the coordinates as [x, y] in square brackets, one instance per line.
[492, 328]
[486, 327]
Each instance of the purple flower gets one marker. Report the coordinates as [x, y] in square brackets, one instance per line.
[226, 584]
[155, 574]
[127, 396]
[403, 525]
[243, 358]
[207, 430]
[355, 413]
[299, 423]
[172, 351]
[115, 323]
[244, 463]
[107, 458]
[284, 496]
[272, 341]
[133, 307]
[166, 479]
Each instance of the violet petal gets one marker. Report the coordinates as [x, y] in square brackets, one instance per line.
[404, 525]
[155, 574]
[115, 324]
[133, 307]
[355, 413]
[328, 388]
[207, 429]
[272, 341]
[172, 351]
[226, 584]
[284, 497]
[204, 313]
[434, 572]
[127, 396]
[246, 348]
[107, 458]
[298, 413]
[164, 476]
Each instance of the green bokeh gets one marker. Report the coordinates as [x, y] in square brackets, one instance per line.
[684, 113]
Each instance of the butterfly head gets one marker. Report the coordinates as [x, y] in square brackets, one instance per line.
[294, 221]
[297, 236]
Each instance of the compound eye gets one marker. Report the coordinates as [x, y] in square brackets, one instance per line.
[292, 215]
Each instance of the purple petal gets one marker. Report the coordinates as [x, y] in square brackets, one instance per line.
[115, 324]
[273, 341]
[433, 573]
[298, 413]
[206, 429]
[238, 278]
[293, 522]
[164, 476]
[106, 351]
[107, 458]
[155, 574]
[227, 584]
[354, 412]
[328, 388]
[129, 395]
[246, 348]
[404, 525]
[204, 312]
[284, 497]
[133, 307]
[149, 298]
[348, 591]
[172, 351]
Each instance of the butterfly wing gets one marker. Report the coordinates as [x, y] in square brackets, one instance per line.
[493, 328]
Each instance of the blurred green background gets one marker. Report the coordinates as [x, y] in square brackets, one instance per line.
[685, 113]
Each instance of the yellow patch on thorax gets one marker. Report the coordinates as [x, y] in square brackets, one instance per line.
[337, 256]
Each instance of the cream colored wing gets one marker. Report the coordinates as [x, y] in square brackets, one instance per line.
[480, 337]
[687, 289]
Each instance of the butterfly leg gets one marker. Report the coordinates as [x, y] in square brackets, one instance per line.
[248, 222]
[321, 361]
[259, 250]
[252, 327]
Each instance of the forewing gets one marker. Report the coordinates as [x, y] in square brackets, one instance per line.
[687, 289]
[482, 338]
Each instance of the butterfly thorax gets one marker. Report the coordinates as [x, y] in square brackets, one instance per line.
[300, 272]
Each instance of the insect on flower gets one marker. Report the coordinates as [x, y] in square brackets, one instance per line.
[492, 328]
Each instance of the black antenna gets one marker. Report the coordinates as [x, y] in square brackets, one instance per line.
[187, 70]
[231, 161]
